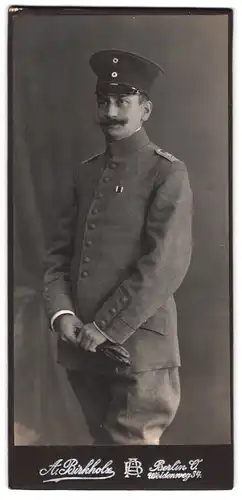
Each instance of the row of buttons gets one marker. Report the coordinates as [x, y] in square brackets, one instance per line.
[95, 211]
[102, 323]
[114, 73]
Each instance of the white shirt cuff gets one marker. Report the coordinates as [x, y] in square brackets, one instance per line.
[57, 314]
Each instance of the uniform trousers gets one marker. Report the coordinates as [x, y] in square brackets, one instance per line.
[127, 408]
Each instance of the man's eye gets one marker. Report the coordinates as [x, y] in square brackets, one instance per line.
[123, 100]
[102, 102]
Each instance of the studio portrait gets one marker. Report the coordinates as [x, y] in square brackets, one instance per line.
[121, 193]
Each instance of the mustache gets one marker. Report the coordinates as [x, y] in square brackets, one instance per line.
[111, 121]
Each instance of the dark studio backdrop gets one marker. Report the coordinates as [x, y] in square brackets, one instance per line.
[53, 129]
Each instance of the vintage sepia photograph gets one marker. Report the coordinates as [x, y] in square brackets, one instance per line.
[120, 176]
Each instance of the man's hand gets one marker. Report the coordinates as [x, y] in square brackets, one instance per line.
[68, 327]
[90, 338]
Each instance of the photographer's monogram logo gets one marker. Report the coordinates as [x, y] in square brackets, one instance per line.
[133, 467]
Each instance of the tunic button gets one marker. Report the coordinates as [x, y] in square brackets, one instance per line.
[113, 310]
[86, 259]
[102, 323]
[112, 165]
[84, 274]
[106, 179]
[99, 196]
[124, 299]
[92, 226]
[88, 243]
[95, 211]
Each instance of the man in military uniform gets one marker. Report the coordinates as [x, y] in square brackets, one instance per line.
[121, 250]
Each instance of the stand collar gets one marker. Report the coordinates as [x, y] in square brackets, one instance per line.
[129, 144]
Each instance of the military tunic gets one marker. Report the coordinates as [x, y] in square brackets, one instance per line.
[121, 250]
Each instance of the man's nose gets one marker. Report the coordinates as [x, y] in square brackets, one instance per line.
[112, 110]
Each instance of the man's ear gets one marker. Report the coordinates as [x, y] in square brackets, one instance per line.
[147, 109]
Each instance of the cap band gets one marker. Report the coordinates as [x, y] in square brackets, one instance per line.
[111, 88]
[118, 89]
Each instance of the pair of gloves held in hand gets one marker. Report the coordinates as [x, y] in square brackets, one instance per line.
[89, 338]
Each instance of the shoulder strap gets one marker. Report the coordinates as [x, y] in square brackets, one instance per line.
[166, 155]
[91, 158]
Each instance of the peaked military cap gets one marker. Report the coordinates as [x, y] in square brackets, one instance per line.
[121, 72]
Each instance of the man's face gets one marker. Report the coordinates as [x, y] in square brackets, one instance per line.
[121, 115]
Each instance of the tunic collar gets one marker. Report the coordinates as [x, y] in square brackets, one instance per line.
[128, 145]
